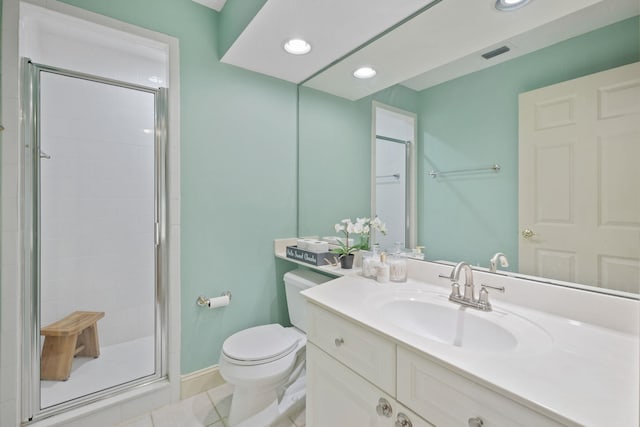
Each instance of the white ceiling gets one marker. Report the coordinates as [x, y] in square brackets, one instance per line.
[332, 27]
[446, 41]
[213, 4]
[442, 43]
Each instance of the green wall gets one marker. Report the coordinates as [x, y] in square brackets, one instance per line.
[472, 122]
[238, 172]
[335, 155]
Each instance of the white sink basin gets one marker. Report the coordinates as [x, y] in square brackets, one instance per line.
[434, 317]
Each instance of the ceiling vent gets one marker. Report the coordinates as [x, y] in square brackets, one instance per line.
[496, 52]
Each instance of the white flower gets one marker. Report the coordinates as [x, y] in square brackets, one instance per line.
[339, 228]
[362, 221]
[358, 227]
[346, 221]
[366, 229]
[350, 228]
[376, 224]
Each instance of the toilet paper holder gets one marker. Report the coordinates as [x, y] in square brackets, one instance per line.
[203, 301]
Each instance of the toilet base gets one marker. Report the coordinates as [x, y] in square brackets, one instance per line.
[291, 401]
[248, 402]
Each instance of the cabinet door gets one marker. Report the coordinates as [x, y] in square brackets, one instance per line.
[336, 396]
[364, 352]
[447, 399]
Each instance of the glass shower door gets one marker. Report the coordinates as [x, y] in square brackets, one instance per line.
[96, 217]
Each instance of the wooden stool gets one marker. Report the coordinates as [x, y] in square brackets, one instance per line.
[75, 335]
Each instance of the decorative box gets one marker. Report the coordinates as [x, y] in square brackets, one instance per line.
[311, 258]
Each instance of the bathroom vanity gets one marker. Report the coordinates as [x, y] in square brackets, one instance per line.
[404, 355]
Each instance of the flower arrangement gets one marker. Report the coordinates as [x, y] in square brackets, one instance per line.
[363, 227]
[370, 225]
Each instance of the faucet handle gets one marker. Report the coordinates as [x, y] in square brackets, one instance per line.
[497, 288]
[455, 290]
[483, 299]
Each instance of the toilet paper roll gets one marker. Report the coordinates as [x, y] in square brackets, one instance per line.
[318, 246]
[219, 301]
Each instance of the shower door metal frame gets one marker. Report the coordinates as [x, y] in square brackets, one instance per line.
[408, 146]
[30, 206]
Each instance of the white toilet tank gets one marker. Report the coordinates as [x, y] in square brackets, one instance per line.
[295, 282]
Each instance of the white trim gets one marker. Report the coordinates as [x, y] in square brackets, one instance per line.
[200, 381]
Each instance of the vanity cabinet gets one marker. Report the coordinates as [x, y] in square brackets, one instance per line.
[356, 377]
[337, 396]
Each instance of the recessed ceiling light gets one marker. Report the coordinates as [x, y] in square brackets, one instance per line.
[509, 5]
[364, 73]
[297, 47]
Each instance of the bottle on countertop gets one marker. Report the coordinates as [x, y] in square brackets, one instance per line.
[370, 262]
[397, 268]
[382, 275]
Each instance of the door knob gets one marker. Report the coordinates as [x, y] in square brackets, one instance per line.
[527, 233]
[403, 421]
[476, 422]
[384, 408]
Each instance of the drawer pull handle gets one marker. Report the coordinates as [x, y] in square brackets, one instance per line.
[403, 421]
[384, 408]
[476, 422]
[339, 341]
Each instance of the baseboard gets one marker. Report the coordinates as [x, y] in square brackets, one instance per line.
[200, 381]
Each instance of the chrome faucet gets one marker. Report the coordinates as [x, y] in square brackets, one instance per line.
[467, 298]
[468, 280]
[504, 262]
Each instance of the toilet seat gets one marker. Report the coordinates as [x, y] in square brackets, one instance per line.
[260, 345]
[260, 374]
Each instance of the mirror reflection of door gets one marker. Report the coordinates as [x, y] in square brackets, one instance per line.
[579, 201]
[393, 200]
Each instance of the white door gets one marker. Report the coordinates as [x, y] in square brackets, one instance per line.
[579, 176]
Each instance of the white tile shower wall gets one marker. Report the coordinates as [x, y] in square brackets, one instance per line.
[97, 212]
[9, 268]
[51, 38]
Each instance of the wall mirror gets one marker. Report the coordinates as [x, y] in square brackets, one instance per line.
[467, 115]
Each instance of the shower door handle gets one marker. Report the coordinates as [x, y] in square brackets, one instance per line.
[44, 155]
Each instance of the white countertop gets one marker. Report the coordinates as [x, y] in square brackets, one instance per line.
[584, 374]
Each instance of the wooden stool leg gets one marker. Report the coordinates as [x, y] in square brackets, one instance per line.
[89, 339]
[57, 357]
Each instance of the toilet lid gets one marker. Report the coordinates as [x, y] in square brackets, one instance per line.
[260, 344]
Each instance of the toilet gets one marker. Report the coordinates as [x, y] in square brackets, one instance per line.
[266, 364]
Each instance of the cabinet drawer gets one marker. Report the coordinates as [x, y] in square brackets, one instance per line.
[367, 353]
[446, 399]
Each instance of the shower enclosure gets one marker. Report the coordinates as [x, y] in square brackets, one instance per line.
[95, 214]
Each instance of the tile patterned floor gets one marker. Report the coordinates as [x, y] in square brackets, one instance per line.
[203, 410]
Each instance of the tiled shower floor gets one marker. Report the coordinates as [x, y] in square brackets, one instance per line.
[205, 409]
[117, 364]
